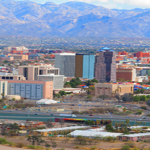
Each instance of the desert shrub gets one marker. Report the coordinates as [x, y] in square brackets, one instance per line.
[20, 145]
[30, 146]
[109, 138]
[125, 147]
[34, 147]
[76, 147]
[3, 141]
[131, 144]
[93, 148]
[10, 143]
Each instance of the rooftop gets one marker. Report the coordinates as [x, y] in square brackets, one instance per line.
[138, 134]
[49, 75]
[73, 54]
[88, 133]
[60, 129]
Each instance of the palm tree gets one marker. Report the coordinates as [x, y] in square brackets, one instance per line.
[127, 121]
[124, 109]
[2, 94]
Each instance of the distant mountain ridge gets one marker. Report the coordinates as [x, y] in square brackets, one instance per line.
[71, 19]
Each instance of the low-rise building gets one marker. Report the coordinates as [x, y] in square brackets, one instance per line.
[126, 74]
[54, 131]
[110, 88]
[70, 90]
[27, 89]
[31, 72]
[20, 57]
[35, 57]
[12, 77]
[135, 137]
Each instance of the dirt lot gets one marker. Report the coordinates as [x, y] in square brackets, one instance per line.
[2, 147]
[69, 144]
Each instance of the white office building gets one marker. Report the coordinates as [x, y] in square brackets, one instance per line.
[66, 64]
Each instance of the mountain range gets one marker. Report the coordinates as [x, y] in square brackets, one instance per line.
[71, 19]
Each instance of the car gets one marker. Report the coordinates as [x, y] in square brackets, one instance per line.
[139, 119]
[90, 115]
[144, 117]
[51, 114]
[99, 117]
[127, 117]
[35, 114]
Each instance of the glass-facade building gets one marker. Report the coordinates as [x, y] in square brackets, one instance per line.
[84, 66]
[88, 66]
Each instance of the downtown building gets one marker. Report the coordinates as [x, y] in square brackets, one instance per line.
[105, 65]
[84, 66]
[31, 72]
[66, 64]
[34, 90]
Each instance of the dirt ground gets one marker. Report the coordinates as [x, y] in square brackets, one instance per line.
[69, 145]
[2, 147]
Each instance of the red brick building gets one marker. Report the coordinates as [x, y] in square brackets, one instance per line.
[126, 74]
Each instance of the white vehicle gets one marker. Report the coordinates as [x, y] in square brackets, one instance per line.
[73, 115]
[68, 115]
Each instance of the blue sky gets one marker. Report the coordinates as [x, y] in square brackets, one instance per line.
[119, 4]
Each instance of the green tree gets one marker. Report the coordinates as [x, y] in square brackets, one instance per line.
[94, 80]
[118, 97]
[143, 98]
[127, 97]
[57, 95]
[62, 93]
[109, 128]
[89, 96]
[127, 121]
[116, 126]
[126, 129]
[136, 98]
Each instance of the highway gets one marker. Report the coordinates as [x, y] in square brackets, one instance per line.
[19, 114]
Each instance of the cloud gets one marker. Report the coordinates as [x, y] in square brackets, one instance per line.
[141, 3]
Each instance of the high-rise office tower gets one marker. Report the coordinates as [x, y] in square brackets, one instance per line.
[66, 64]
[105, 65]
[84, 66]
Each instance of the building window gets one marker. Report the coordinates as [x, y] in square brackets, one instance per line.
[25, 72]
[41, 72]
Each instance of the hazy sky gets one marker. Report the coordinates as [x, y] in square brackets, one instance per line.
[119, 4]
